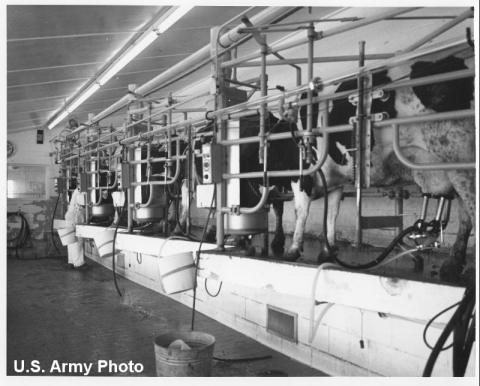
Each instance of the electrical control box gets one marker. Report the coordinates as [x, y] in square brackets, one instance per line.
[60, 184]
[205, 195]
[211, 163]
[125, 176]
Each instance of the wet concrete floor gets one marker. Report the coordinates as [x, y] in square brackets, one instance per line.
[70, 316]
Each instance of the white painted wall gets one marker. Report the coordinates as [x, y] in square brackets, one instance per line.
[38, 212]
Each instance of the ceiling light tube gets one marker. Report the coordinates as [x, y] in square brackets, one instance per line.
[138, 47]
[171, 19]
[83, 97]
[58, 119]
[144, 42]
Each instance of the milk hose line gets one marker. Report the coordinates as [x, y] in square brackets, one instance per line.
[51, 224]
[197, 263]
[113, 244]
[383, 255]
[463, 336]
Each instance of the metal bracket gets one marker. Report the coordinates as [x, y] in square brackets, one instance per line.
[375, 94]
[376, 117]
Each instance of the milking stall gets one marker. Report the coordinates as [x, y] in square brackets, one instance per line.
[241, 191]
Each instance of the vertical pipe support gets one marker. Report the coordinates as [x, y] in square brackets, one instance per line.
[189, 173]
[399, 208]
[263, 91]
[310, 52]
[215, 89]
[130, 196]
[359, 143]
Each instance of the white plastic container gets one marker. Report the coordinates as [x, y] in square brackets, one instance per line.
[177, 272]
[67, 235]
[104, 242]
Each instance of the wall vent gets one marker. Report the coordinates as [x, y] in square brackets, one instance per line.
[282, 323]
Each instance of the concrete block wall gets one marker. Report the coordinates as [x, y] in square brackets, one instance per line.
[393, 344]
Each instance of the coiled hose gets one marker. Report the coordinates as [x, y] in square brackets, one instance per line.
[23, 235]
[370, 264]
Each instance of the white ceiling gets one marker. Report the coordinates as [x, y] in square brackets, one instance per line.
[52, 51]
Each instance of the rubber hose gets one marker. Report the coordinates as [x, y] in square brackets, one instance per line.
[464, 304]
[113, 246]
[370, 264]
[204, 233]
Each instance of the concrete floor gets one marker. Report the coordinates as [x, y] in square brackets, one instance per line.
[54, 313]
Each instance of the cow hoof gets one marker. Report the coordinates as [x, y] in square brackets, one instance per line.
[278, 244]
[451, 271]
[291, 255]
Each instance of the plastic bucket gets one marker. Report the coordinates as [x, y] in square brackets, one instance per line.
[104, 242]
[177, 272]
[67, 235]
[175, 362]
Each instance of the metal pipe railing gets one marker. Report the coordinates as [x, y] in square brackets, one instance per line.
[336, 129]
[166, 182]
[430, 166]
[228, 112]
[321, 35]
[318, 59]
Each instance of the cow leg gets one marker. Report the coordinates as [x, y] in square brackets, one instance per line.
[334, 198]
[278, 241]
[463, 182]
[302, 205]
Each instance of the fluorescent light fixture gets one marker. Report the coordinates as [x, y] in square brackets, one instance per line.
[144, 42]
[168, 19]
[58, 119]
[171, 19]
[83, 97]
[138, 47]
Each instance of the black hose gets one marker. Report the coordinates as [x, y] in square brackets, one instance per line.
[113, 246]
[209, 293]
[370, 264]
[427, 326]
[462, 349]
[212, 208]
[20, 240]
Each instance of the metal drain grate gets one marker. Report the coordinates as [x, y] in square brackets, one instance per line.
[282, 323]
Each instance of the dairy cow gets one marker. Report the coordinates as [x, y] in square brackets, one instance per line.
[443, 141]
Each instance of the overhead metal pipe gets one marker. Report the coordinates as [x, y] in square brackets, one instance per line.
[445, 27]
[266, 16]
[321, 35]
[318, 59]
